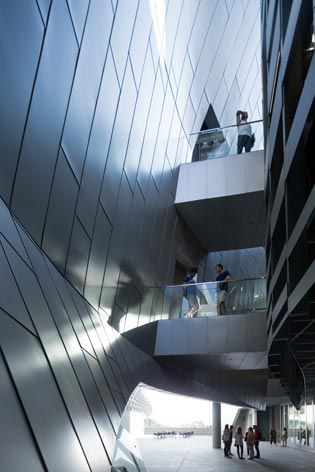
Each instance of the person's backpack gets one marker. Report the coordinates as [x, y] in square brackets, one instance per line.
[252, 140]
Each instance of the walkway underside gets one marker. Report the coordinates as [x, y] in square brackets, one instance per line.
[226, 354]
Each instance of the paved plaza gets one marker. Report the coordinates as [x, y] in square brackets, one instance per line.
[195, 454]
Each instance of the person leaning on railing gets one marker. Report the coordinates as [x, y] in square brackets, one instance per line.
[222, 288]
[244, 129]
[190, 293]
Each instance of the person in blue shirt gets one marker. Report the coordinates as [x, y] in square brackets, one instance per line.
[222, 288]
[190, 293]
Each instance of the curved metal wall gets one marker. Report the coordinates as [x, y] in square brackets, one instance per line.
[97, 99]
[97, 102]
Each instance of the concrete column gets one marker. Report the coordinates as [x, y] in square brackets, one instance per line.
[216, 425]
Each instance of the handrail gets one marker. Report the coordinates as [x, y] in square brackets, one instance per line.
[217, 281]
[223, 127]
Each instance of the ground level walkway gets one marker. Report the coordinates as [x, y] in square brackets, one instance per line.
[195, 454]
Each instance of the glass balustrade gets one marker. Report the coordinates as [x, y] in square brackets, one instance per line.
[242, 297]
[220, 142]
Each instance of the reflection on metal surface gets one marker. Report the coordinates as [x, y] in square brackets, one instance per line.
[127, 454]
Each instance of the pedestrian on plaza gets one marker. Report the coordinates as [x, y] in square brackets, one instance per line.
[245, 440]
[231, 439]
[250, 442]
[299, 436]
[284, 437]
[226, 440]
[239, 442]
[273, 437]
[257, 439]
[307, 437]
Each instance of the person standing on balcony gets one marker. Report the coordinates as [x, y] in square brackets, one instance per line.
[190, 293]
[222, 288]
[244, 129]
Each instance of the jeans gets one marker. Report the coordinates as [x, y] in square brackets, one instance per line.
[243, 141]
[226, 449]
[239, 451]
[257, 449]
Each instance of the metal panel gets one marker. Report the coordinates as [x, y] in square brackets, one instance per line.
[179, 336]
[123, 391]
[21, 31]
[9, 231]
[216, 185]
[68, 365]
[151, 206]
[11, 300]
[198, 334]
[237, 333]
[140, 37]
[125, 375]
[117, 244]
[71, 309]
[118, 145]
[96, 156]
[254, 171]
[43, 6]
[78, 10]
[106, 395]
[15, 434]
[86, 320]
[77, 261]
[197, 180]
[185, 24]
[58, 225]
[235, 175]
[124, 21]
[217, 335]
[257, 332]
[45, 121]
[139, 120]
[128, 266]
[98, 410]
[41, 399]
[150, 136]
[86, 84]
[100, 327]
[97, 259]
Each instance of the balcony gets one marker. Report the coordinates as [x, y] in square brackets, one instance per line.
[220, 194]
[245, 296]
[227, 353]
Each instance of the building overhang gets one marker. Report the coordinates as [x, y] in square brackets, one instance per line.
[222, 201]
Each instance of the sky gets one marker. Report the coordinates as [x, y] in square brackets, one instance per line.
[176, 410]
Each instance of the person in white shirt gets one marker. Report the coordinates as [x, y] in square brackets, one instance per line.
[244, 132]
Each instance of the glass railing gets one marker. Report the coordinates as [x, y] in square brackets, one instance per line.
[239, 297]
[221, 142]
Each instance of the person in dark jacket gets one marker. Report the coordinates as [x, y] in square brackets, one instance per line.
[222, 288]
[273, 437]
[257, 439]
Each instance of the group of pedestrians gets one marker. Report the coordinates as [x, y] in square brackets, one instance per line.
[251, 440]
[193, 294]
